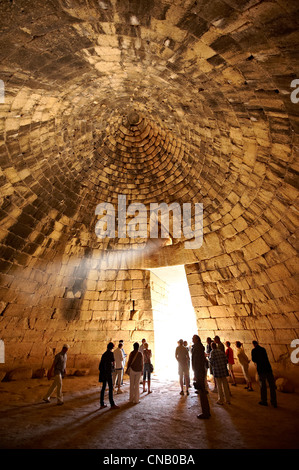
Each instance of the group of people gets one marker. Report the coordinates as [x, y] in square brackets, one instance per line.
[215, 358]
[112, 366]
[219, 361]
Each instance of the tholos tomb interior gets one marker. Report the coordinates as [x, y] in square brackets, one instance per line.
[109, 108]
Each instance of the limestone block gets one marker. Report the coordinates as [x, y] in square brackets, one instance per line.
[98, 305]
[140, 294]
[91, 295]
[39, 373]
[81, 372]
[111, 325]
[2, 375]
[128, 325]
[278, 272]
[284, 385]
[206, 324]
[287, 320]
[220, 311]
[257, 248]
[20, 373]
[202, 312]
[101, 315]
[225, 324]
[225, 299]
[201, 301]
[138, 274]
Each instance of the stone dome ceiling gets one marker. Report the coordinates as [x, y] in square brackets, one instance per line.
[213, 122]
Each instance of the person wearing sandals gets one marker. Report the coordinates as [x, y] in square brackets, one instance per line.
[134, 370]
[244, 363]
[147, 354]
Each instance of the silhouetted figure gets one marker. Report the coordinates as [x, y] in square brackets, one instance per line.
[182, 356]
[125, 359]
[199, 369]
[208, 352]
[219, 344]
[106, 367]
[141, 347]
[218, 361]
[117, 374]
[147, 354]
[260, 357]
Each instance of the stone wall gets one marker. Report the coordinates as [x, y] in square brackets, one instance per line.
[253, 299]
[42, 310]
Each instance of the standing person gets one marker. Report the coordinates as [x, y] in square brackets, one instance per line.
[119, 367]
[219, 364]
[260, 357]
[59, 368]
[125, 359]
[244, 363]
[199, 369]
[147, 354]
[208, 352]
[135, 364]
[141, 348]
[105, 367]
[182, 356]
[230, 360]
[208, 346]
[219, 344]
[185, 343]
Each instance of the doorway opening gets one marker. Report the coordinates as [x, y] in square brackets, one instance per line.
[173, 320]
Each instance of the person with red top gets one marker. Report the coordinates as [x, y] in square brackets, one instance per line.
[230, 360]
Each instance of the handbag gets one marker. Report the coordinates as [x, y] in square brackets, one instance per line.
[151, 368]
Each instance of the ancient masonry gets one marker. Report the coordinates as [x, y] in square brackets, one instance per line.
[184, 101]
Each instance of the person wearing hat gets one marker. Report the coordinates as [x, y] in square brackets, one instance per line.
[182, 356]
[59, 368]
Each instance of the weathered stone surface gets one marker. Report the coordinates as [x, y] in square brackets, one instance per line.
[39, 373]
[2, 375]
[81, 372]
[284, 385]
[20, 373]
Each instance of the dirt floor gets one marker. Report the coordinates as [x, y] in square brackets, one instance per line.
[162, 420]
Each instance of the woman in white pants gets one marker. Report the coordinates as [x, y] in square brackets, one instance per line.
[134, 369]
[244, 363]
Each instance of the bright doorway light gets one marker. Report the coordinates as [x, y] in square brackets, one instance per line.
[173, 322]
